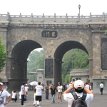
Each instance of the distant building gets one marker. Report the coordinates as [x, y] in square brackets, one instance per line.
[38, 75]
[82, 74]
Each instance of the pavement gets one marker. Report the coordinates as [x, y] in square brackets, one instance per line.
[99, 101]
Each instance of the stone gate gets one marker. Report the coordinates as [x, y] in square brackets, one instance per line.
[56, 35]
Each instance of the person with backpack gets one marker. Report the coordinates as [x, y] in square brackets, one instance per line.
[77, 95]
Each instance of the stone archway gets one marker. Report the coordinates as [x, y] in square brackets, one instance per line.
[18, 72]
[59, 53]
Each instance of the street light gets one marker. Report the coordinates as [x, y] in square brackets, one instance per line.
[79, 7]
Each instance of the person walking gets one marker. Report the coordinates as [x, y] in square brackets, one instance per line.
[5, 96]
[47, 91]
[59, 89]
[38, 94]
[53, 91]
[101, 88]
[14, 96]
[26, 90]
[78, 88]
[23, 93]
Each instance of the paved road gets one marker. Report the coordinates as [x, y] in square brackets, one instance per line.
[99, 101]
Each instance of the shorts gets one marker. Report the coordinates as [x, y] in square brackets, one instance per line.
[38, 98]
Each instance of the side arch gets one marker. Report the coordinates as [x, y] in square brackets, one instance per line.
[58, 55]
[19, 55]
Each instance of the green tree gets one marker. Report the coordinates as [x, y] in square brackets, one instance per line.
[67, 78]
[74, 59]
[2, 55]
[35, 60]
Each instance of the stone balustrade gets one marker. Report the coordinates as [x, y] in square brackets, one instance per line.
[37, 19]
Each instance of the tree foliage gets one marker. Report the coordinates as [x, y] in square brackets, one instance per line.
[35, 60]
[2, 55]
[74, 59]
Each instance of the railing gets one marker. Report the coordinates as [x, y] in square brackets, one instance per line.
[54, 18]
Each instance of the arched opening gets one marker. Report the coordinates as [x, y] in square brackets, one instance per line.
[19, 56]
[59, 53]
[35, 65]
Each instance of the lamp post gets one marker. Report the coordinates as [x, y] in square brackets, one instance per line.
[79, 7]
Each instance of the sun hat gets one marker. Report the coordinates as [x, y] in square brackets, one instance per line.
[1, 83]
[78, 83]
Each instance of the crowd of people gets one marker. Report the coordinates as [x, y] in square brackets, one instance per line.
[55, 93]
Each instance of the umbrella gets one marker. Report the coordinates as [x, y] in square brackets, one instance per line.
[33, 83]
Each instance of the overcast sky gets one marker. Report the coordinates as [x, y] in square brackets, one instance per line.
[49, 7]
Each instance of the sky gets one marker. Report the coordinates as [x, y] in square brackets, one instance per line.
[49, 7]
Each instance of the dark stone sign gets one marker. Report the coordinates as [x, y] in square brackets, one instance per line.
[48, 68]
[104, 53]
[49, 34]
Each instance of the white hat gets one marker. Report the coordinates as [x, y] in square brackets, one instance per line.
[78, 83]
[1, 83]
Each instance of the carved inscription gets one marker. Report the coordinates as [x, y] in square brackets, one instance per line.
[49, 34]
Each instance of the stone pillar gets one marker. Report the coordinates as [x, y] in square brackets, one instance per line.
[18, 73]
[90, 57]
[96, 40]
[57, 71]
[49, 61]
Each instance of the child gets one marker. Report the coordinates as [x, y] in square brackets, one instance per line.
[14, 96]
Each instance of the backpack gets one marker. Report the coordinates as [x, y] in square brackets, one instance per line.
[79, 102]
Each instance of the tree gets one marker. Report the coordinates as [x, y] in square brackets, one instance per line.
[74, 59]
[66, 78]
[36, 60]
[2, 55]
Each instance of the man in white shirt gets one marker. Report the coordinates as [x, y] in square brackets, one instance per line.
[23, 93]
[38, 94]
[78, 88]
[5, 96]
[101, 88]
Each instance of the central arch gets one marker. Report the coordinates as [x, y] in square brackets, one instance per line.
[59, 53]
[19, 62]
